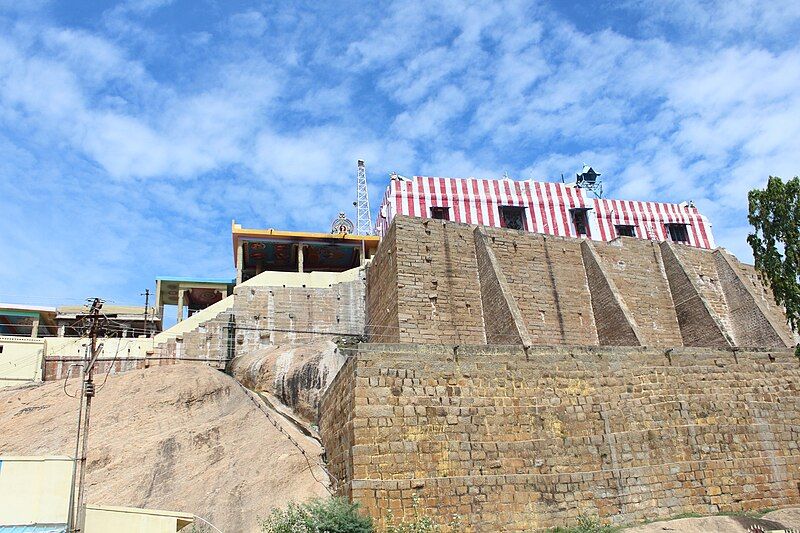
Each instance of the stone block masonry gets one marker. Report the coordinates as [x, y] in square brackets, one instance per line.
[523, 440]
[438, 282]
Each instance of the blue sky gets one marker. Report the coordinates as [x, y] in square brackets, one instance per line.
[131, 133]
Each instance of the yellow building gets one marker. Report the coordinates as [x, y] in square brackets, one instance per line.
[34, 498]
[21, 360]
[132, 520]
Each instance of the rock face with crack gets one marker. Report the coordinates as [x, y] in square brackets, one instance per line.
[183, 438]
[297, 375]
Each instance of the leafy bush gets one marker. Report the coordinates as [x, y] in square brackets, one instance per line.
[587, 524]
[335, 515]
[419, 524]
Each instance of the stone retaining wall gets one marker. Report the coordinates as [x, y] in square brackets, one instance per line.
[519, 440]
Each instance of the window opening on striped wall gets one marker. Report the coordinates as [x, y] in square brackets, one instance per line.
[625, 230]
[512, 217]
[677, 232]
[440, 213]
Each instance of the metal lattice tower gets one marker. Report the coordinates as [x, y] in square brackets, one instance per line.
[363, 217]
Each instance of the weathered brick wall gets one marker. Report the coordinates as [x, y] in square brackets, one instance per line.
[613, 320]
[635, 266]
[707, 280]
[438, 291]
[500, 322]
[278, 315]
[382, 322]
[548, 281]
[519, 442]
[335, 415]
[430, 284]
[696, 315]
[755, 319]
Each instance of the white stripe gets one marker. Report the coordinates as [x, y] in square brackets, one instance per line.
[559, 221]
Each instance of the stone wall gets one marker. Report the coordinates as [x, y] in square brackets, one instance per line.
[294, 315]
[520, 440]
[382, 322]
[433, 282]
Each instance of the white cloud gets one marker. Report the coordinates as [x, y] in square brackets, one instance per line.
[249, 24]
[267, 129]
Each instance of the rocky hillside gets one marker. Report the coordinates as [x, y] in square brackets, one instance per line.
[184, 438]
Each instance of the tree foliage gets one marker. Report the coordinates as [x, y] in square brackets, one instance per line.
[775, 216]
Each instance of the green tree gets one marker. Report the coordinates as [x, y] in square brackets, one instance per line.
[775, 216]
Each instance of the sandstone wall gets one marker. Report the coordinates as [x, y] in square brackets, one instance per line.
[432, 282]
[438, 294]
[382, 322]
[517, 440]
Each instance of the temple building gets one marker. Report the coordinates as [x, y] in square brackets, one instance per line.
[261, 250]
[562, 209]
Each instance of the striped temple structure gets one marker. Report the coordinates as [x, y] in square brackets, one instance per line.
[541, 207]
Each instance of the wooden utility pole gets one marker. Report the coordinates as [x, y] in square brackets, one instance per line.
[77, 515]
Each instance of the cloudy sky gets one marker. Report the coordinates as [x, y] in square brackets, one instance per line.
[131, 133]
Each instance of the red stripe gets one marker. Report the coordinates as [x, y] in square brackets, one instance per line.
[443, 198]
[509, 196]
[546, 216]
[531, 214]
[489, 204]
[598, 209]
[651, 226]
[697, 242]
[634, 217]
[550, 201]
[465, 195]
[702, 224]
[454, 197]
[563, 197]
[478, 205]
[496, 188]
[421, 200]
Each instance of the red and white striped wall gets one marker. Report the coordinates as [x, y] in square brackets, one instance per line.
[548, 205]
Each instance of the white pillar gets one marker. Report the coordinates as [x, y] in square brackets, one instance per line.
[180, 304]
[35, 327]
[239, 262]
[300, 258]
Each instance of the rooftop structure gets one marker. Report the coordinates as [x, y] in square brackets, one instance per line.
[194, 294]
[565, 210]
[123, 320]
[260, 250]
[27, 320]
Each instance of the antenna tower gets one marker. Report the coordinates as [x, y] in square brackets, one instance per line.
[363, 217]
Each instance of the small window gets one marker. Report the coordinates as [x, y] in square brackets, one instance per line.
[678, 232]
[512, 217]
[625, 230]
[440, 213]
[580, 220]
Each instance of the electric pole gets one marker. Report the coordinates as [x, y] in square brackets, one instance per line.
[77, 515]
[146, 306]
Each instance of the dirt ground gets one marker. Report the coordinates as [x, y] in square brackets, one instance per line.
[775, 520]
[183, 438]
